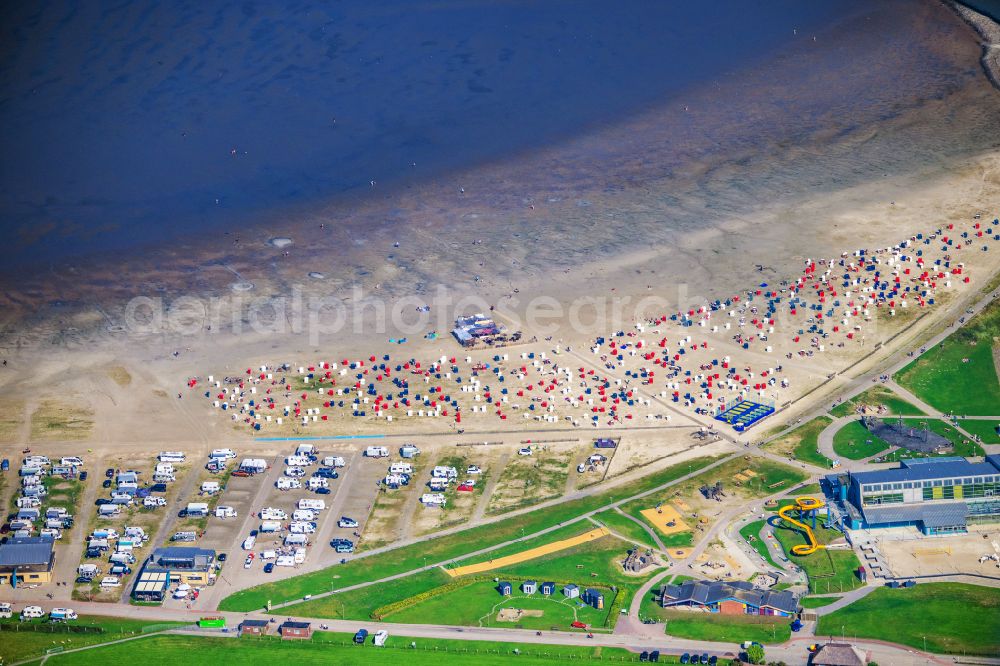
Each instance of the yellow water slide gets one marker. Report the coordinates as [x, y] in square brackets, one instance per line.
[803, 504]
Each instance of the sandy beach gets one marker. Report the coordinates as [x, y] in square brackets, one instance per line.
[582, 218]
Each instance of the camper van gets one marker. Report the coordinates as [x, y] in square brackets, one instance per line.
[32, 612]
[409, 451]
[171, 456]
[153, 502]
[164, 478]
[225, 512]
[302, 527]
[380, 638]
[285, 483]
[303, 514]
[305, 450]
[222, 454]
[297, 461]
[269, 526]
[122, 557]
[28, 502]
[314, 504]
[111, 581]
[5, 611]
[432, 499]
[442, 472]
[296, 539]
[249, 542]
[36, 460]
[438, 484]
[107, 510]
[334, 461]
[253, 466]
[52, 532]
[184, 536]
[270, 513]
[210, 487]
[136, 533]
[400, 468]
[376, 452]
[196, 510]
[285, 561]
[62, 614]
[318, 482]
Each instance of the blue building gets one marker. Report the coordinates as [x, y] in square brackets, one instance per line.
[935, 495]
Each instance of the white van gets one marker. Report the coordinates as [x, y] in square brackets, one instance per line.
[270, 513]
[270, 526]
[5, 611]
[400, 468]
[302, 527]
[376, 452]
[285, 561]
[72, 461]
[285, 483]
[313, 504]
[196, 509]
[36, 460]
[62, 614]
[172, 456]
[222, 454]
[334, 461]
[32, 612]
[249, 542]
[225, 512]
[303, 514]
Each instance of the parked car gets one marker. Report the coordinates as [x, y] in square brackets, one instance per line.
[323, 491]
[347, 522]
[222, 557]
[654, 656]
[84, 579]
[269, 567]
[524, 451]
[703, 659]
[158, 488]
[685, 658]
[361, 636]
[249, 561]
[101, 501]
[106, 484]
[644, 656]
[83, 476]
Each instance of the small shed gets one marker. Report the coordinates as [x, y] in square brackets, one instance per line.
[504, 588]
[253, 628]
[529, 587]
[593, 597]
[295, 630]
[547, 588]
[571, 591]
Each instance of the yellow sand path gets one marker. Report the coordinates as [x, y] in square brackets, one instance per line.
[668, 514]
[530, 554]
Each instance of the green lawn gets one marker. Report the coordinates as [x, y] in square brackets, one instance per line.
[941, 378]
[802, 442]
[873, 397]
[726, 628]
[987, 430]
[817, 602]
[753, 530]
[954, 617]
[24, 644]
[338, 649]
[854, 442]
[828, 570]
[624, 526]
[479, 603]
[808, 489]
[359, 604]
[449, 547]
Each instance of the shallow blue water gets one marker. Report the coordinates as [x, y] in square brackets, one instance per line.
[128, 124]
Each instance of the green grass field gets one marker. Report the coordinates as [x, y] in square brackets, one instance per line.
[953, 617]
[854, 442]
[987, 430]
[445, 548]
[338, 649]
[873, 397]
[753, 530]
[725, 628]
[625, 526]
[24, 644]
[817, 602]
[959, 375]
[828, 570]
[801, 443]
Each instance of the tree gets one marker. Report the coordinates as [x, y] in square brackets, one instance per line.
[755, 654]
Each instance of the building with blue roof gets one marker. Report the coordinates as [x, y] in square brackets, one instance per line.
[936, 495]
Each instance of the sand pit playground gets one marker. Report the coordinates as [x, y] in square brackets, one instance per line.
[530, 554]
[666, 519]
